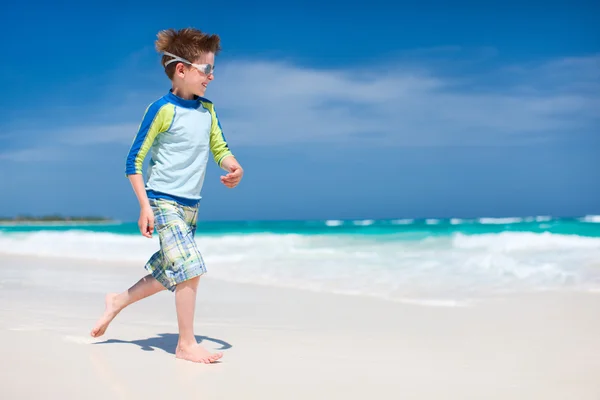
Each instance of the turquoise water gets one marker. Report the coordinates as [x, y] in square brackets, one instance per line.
[402, 229]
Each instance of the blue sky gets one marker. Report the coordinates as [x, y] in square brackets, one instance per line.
[344, 110]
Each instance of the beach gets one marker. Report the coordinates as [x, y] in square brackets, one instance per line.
[287, 343]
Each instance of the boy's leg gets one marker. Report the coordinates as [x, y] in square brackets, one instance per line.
[115, 302]
[187, 346]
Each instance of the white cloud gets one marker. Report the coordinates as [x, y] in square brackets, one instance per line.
[268, 103]
[282, 103]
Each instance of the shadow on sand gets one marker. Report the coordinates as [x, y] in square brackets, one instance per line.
[166, 342]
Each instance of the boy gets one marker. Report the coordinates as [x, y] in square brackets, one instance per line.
[179, 130]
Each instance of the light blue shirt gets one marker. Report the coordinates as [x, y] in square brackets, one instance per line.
[179, 134]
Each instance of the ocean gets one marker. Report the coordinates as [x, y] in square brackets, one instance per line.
[428, 261]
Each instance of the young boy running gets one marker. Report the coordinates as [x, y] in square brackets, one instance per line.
[179, 130]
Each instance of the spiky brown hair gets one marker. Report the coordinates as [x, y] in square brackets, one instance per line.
[187, 43]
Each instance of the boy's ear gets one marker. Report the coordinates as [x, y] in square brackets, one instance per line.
[180, 69]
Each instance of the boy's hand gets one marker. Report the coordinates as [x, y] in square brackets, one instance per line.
[234, 177]
[146, 222]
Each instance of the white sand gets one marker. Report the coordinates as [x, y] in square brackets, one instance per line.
[286, 343]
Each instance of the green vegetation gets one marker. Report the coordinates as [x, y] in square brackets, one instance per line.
[53, 218]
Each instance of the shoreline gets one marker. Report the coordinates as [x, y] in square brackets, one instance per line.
[287, 343]
[413, 299]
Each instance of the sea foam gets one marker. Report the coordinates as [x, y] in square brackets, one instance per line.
[452, 267]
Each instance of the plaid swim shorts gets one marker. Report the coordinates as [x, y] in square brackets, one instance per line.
[178, 258]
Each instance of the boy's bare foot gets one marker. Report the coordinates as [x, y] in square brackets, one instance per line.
[196, 353]
[110, 312]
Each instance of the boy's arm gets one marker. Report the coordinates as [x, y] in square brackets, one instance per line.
[157, 119]
[222, 155]
[218, 144]
[139, 188]
[236, 172]
[230, 164]
[146, 220]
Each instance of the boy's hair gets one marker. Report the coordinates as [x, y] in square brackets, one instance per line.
[187, 43]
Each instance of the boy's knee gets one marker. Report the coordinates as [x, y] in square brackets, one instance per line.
[191, 283]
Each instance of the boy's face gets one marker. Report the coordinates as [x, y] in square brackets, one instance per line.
[193, 79]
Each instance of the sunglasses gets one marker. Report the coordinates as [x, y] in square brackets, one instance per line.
[206, 69]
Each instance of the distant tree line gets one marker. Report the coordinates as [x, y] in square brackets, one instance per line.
[53, 218]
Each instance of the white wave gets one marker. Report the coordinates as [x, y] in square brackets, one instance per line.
[334, 222]
[511, 220]
[461, 221]
[406, 221]
[591, 218]
[539, 218]
[432, 221]
[365, 222]
[526, 241]
[78, 244]
[449, 268]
